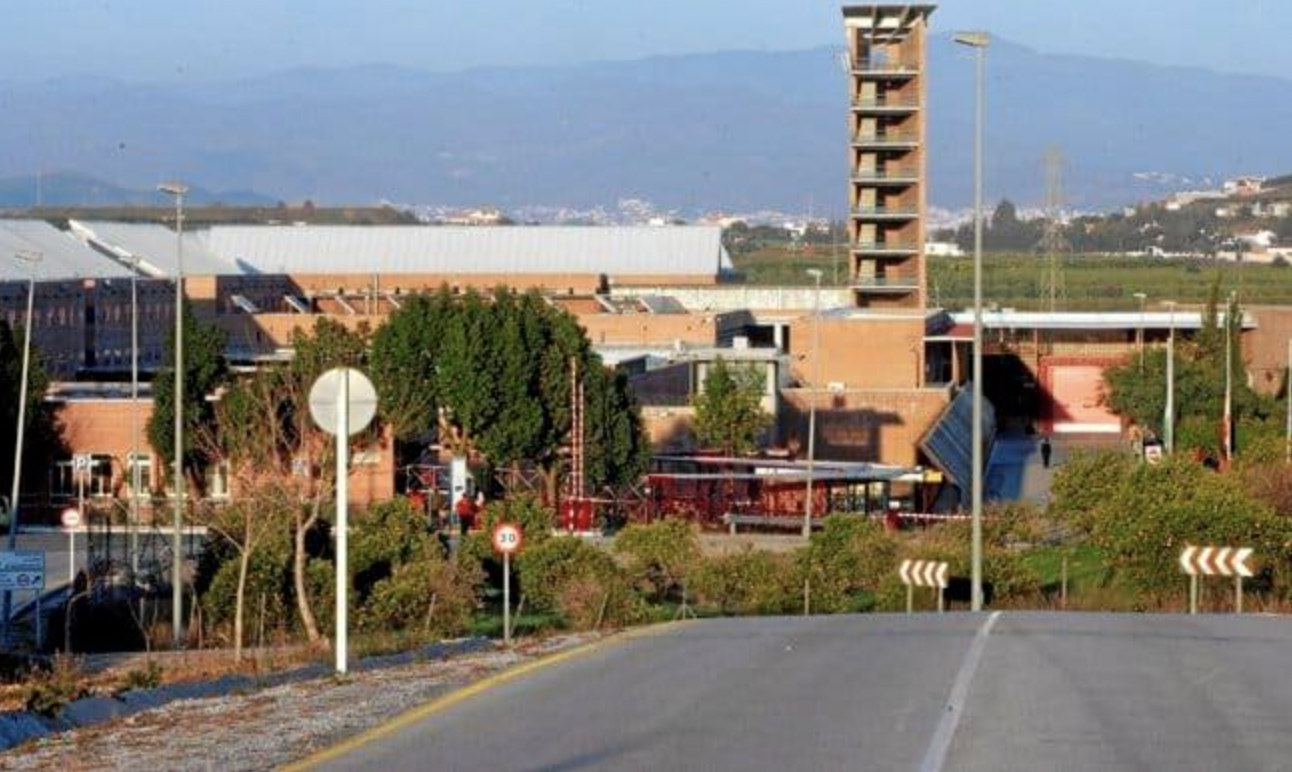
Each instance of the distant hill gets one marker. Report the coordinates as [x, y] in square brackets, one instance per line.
[64, 189]
[734, 131]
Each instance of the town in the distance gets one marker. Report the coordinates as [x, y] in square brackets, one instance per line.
[970, 449]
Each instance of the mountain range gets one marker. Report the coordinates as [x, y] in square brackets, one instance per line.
[734, 131]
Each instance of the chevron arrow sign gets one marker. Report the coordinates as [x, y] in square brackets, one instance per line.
[924, 573]
[1216, 561]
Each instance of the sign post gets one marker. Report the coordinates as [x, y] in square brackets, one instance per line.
[342, 403]
[71, 519]
[1198, 562]
[923, 573]
[507, 539]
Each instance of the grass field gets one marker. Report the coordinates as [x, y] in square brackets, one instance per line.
[1022, 281]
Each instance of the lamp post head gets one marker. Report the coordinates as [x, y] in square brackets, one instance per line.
[173, 188]
[974, 39]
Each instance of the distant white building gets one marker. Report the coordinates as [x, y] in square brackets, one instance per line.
[943, 249]
[1244, 186]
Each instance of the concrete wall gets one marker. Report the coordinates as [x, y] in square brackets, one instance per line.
[862, 425]
[1266, 347]
[861, 353]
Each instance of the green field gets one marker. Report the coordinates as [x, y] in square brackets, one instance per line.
[1022, 281]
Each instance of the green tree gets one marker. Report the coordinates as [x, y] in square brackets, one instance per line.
[265, 431]
[618, 450]
[41, 439]
[205, 371]
[729, 412]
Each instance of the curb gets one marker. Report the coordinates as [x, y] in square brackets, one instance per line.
[17, 727]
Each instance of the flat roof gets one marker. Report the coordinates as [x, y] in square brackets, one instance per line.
[1089, 320]
[474, 250]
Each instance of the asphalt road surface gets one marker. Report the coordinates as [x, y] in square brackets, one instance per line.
[957, 692]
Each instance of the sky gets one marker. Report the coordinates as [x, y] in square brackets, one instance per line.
[159, 40]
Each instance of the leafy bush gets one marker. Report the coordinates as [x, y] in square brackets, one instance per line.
[1157, 511]
[429, 594]
[749, 582]
[47, 692]
[847, 556]
[147, 677]
[583, 583]
[268, 575]
[389, 535]
[1087, 482]
[659, 556]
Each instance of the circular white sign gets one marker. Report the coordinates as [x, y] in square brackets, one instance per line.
[506, 538]
[326, 392]
[71, 517]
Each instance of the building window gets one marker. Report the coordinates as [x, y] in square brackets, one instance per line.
[217, 480]
[140, 466]
[62, 483]
[99, 476]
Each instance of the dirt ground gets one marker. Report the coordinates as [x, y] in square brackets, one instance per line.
[268, 728]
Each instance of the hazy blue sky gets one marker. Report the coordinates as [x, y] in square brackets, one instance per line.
[158, 39]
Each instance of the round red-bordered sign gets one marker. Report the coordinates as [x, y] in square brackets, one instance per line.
[71, 517]
[507, 538]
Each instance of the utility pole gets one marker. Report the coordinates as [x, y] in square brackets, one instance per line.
[1052, 242]
[978, 41]
[815, 392]
[178, 190]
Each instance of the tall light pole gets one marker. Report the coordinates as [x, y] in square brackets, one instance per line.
[816, 391]
[1168, 420]
[1141, 297]
[31, 258]
[1229, 377]
[135, 477]
[178, 190]
[978, 41]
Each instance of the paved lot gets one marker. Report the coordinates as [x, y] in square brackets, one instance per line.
[955, 692]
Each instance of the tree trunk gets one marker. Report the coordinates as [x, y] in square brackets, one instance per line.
[298, 574]
[244, 561]
[551, 484]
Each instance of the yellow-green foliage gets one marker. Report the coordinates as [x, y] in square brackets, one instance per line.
[749, 582]
[659, 557]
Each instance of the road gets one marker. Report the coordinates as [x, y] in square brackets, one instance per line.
[1022, 691]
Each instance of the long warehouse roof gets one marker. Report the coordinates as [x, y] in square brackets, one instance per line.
[154, 246]
[61, 256]
[414, 249]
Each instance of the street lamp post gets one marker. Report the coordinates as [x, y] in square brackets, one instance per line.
[1168, 420]
[31, 258]
[178, 190]
[1141, 297]
[815, 392]
[135, 478]
[978, 41]
[1229, 377]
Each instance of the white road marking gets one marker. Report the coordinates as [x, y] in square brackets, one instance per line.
[936, 755]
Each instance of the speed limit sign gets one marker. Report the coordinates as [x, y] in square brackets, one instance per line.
[506, 538]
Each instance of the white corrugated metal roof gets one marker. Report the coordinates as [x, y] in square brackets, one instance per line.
[1093, 320]
[154, 246]
[61, 255]
[412, 249]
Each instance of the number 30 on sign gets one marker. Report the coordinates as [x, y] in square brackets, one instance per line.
[506, 538]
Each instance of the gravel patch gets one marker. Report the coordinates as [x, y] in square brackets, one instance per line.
[270, 727]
